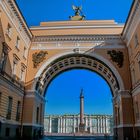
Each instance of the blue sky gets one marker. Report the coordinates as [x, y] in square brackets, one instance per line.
[63, 92]
[36, 11]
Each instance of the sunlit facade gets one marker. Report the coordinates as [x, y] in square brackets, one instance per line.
[31, 57]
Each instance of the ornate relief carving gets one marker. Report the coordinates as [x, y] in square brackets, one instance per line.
[77, 38]
[116, 56]
[38, 57]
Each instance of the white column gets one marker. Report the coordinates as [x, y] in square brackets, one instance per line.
[65, 125]
[73, 124]
[105, 124]
[86, 124]
[50, 125]
[97, 125]
[100, 124]
[61, 125]
[90, 124]
[58, 125]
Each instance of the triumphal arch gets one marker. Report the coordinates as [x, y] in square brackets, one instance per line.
[103, 46]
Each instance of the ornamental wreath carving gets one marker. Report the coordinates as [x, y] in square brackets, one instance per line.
[117, 57]
[38, 57]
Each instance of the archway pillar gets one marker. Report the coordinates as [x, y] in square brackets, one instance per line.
[123, 115]
[33, 115]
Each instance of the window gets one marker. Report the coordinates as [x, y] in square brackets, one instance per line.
[25, 52]
[136, 41]
[15, 62]
[0, 101]
[37, 115]
[133, 76]
[137, 110]
[17, 42]
[9, 30]
[5, 50]
[130, 50]
[7, 132]
[9, 109]
[14, 68]
[22, 74]
[138, 61]
[18, 111]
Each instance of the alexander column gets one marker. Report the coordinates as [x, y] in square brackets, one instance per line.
[81, 125]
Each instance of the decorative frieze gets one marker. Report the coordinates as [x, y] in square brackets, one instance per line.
[76, 38]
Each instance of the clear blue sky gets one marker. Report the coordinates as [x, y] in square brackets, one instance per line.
[36, 11]
[63, 92]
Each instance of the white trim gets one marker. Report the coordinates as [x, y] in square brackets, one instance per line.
[124, 125]
[137, 124]
[32, 124]
[12, 122]
[136, 90]
[29, 96]
[114, 70]
[76, 27]
[33, 94]
[73, 47]
[124, 94]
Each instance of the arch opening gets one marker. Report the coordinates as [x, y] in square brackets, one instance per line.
[81, 61]
[90, 113]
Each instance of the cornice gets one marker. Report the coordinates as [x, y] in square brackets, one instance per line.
[76, 38]
[132, 21]
[76, 27]
[15, 12]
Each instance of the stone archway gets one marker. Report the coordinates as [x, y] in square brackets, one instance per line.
[68, 61]
[103, 67]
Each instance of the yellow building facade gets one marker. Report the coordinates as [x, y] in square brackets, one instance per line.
[31, 57]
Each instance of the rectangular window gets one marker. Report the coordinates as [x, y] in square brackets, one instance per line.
[22, 73]
[25, 52]
[14, 68]
[17, 42]
[7, 132]
[139, 64]
[137, 110]
[9, 109]
[133, 76]
[15, 62]
[37, 115]
[136, 41]
[4, 56]
[18, 111]
[9, 30]
[0, 102]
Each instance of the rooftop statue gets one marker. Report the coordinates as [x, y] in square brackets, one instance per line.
[78, 11]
